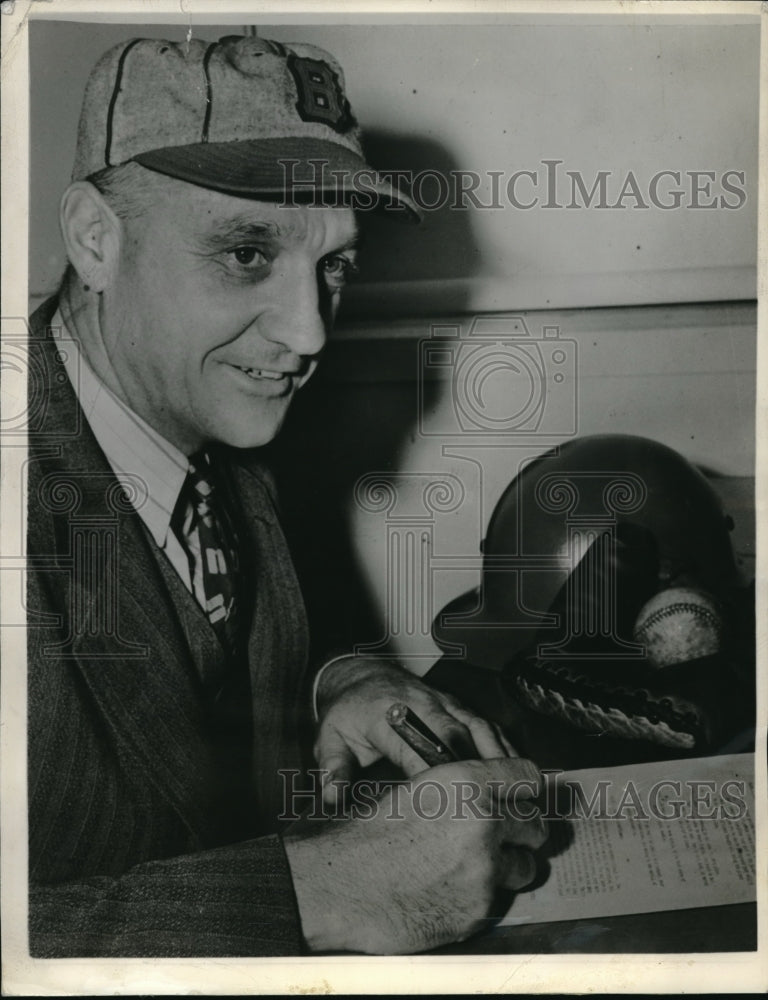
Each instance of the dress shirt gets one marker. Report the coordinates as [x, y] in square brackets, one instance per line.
[133, 448]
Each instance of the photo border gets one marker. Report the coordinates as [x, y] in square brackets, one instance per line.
[737, 972]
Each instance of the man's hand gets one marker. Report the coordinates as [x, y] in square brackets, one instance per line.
[353, 698]
[426, 866]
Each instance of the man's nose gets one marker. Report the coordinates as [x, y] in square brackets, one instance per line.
[296, 319]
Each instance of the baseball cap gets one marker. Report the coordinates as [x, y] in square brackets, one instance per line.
[246, 116]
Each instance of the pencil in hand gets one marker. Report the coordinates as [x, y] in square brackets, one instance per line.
[418, 736]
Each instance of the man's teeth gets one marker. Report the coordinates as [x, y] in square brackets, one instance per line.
[261, 373]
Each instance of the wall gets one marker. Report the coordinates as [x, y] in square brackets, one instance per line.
[374, 449]
[619, 95]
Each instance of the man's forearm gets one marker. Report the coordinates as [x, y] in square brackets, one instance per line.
[235, 900]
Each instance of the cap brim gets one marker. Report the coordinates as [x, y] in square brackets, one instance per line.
[293, 171]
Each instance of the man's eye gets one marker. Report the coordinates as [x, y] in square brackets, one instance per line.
[338, 269]
[248, 255]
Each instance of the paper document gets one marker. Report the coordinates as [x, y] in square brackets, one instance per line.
[643, 838]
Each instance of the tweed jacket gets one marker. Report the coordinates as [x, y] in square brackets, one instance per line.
[131, 851]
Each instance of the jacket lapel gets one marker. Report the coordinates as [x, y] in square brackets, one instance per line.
[277, 649]
[124, 635]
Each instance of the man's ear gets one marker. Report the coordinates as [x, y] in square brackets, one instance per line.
[92, 234]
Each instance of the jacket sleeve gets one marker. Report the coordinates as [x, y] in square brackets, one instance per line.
[230, 901]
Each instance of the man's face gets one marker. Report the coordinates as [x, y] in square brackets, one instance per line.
[219, 309]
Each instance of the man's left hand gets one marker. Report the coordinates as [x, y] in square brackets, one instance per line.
[353, 697]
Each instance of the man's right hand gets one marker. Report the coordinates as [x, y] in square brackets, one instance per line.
[425, 869]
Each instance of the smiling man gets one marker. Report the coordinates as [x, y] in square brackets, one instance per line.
[168, 689]
[244, 296]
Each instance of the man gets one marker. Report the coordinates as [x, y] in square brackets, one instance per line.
[167, 641]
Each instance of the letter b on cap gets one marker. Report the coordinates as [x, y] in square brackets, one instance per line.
[320, 95]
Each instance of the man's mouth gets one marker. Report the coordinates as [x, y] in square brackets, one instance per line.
[256, 373]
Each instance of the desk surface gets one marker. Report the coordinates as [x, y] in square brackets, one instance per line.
[711, 929]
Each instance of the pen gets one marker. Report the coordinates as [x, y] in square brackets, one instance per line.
[418, 736]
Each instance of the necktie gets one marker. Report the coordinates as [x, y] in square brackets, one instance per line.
[205, 515]
[208, 535]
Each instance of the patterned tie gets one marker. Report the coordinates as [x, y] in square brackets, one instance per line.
[218, 548]
[204, 515]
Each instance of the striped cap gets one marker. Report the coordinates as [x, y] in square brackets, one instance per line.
[246, 116]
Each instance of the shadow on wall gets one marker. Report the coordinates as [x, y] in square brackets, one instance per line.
[337, 432]
[443, 247]
[343, 426]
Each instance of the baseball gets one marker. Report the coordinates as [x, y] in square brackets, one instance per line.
[677, 625]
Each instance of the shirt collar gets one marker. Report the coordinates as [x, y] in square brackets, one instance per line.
[131, 446]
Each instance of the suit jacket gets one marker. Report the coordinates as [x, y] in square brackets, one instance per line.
[131, 847]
